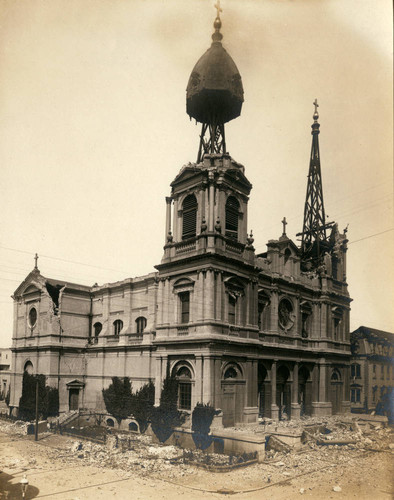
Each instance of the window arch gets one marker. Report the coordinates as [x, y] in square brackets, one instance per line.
[97, 330]
[336, 376]
[118, 325]
[141, 324]
[189, 213]
[28, 367]
[232, 217]
[183, 375]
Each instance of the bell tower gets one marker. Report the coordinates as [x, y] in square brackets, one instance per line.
[207, 209]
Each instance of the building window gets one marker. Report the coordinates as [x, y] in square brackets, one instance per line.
[387, 372]
[97, 330]
[141, 324]
[382, 372]
[356, 395]
[118, 325]
[232, 303]
[374, 371]
[374, 392]
[184, 378]
[306, 313]
[189, 221]
[232, 217]
[356, 371]
[32, 317]
[184, 298]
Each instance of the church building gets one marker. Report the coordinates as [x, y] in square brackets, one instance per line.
[252, 334]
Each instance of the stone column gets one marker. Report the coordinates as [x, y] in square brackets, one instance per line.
[198, 385]
[274, 311]
[209, 295]
[211, 221]
[274, 406]
[295, 406]
[161, 363]
[168, 217]
[322, 381]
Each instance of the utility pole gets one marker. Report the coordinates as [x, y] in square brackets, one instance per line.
[36, 429]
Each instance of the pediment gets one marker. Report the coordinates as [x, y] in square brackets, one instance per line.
[186, 173]
[75, 384]
[33, 283]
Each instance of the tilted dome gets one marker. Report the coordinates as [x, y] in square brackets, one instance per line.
[214, 92]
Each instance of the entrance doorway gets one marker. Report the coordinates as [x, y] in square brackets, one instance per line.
[233, 396]
[73, 399]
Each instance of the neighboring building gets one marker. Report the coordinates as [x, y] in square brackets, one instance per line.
[5, 371]
[253, 335]
[372, 368]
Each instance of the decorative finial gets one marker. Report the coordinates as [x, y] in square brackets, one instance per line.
[284, 222]
[315, 114]
[36, 259]
[217, 36]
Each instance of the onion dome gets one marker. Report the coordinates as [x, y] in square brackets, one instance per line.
[214, 92]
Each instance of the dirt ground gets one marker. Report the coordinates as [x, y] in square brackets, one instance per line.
[60, 468]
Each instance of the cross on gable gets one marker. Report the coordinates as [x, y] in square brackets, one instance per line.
[36, 259]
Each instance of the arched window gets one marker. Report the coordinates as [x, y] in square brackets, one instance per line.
[231, 372]
[184, 378]
[232, 216]
[118, 325]
[97, 330]
[110, 422]
[141, 324]
[287, 254]
[335, 377]
[189, 212]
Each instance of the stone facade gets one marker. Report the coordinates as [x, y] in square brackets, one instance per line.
[5, 371]
[250, 334]
[372, 368]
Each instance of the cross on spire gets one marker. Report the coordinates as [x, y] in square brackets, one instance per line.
[218, 9]
[36, 259]
[316, 105]
[284, 222]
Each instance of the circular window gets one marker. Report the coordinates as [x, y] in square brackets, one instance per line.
[285, 313]
[32, 316]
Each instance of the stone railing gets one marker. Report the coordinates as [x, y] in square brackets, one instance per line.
[182, 330]
[185, 246]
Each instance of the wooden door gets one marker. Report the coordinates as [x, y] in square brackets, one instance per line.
[336, 397]
[73, 399]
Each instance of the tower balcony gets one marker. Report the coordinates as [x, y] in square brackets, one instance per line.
[208, 242]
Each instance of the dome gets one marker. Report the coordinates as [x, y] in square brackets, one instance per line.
[214, 92]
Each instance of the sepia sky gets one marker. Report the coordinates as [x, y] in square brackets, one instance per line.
[93, 129]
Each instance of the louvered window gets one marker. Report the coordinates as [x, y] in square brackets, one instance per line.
[189, 223]
[232, 215]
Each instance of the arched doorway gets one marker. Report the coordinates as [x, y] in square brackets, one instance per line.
[283, 392]
[304, 391]
[336, 390]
